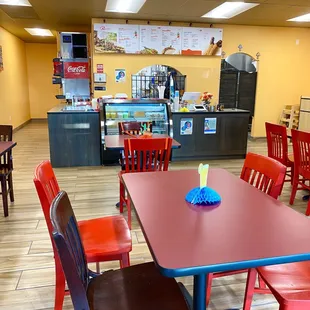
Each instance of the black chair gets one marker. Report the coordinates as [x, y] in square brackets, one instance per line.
[6, 169]
[139, 287]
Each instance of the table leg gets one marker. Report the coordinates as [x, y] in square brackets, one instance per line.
[200, 292]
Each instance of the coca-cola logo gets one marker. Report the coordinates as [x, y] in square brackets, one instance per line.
[79, 69]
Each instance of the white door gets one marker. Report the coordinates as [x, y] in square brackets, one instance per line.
[305, 104]
[304, 121]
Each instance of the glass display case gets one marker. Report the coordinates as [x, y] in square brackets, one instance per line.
[152, 111]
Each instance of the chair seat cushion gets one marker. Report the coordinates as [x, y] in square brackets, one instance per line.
[106, 236]
[288, 281]
[139, 287]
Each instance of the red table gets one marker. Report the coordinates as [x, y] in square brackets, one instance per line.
[6, 146]
[248, 229]
[116, 142]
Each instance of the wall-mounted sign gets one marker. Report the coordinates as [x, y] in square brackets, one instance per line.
[76, 70]
[1, 59]
[100, 88]
[100, 68]
[100, 78]
[186, 126]
[210, 126]
[120, 75]
[155, 40]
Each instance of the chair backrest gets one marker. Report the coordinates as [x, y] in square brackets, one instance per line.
[301, 148]
[47, 189]
[266, 174]
[70, 249]
[6, 134]
[143, 155]
[133, 128]
[277, 142]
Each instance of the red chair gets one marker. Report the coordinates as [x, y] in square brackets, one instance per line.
[278, 148]
[289, 283]
[301, 148]
[104, 239]
[143, 155]
[267, 175]
[131, 128]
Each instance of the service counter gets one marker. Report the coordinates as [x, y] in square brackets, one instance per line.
[210, 135]
[75, 137]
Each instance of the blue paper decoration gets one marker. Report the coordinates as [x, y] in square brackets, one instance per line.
[204, 196]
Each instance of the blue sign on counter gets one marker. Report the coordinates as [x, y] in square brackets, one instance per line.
[186, 126]
[210, 126]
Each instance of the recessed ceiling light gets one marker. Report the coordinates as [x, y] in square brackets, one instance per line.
[124, 6]
[39, 32]
[230, 9]
[302, 18]
[15, 2]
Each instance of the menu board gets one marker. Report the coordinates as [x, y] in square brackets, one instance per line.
[160, 40]
[202, 41]
[110, 38]
[157, 40]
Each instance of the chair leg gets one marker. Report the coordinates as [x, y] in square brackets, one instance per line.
[60, 287]
[209, 287]
[129, 212]
[249, 291]
[261, 283]
[294, 190]
[292, 175]
[125, 261]
[121, 196]
[5, 197]
[98, 267]
[10, 181]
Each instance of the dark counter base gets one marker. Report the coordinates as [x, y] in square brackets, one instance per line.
[229, 142]
[75, 139]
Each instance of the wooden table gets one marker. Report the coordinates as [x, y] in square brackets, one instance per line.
[116, 142]
[248, 229]
[6, 146]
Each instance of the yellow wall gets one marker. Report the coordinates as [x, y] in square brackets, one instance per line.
[283, 67]
[14, 95]
[40, 71]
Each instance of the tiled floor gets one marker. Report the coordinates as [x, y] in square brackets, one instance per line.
[26, 258]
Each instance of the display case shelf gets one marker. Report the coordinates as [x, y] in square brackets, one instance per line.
[155, 111]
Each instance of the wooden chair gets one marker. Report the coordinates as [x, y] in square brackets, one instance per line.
[138, 287]
[105, 239]
[148, 155]
[301, 148]
[278, 147]
[6, 169]
[267, 175]
[133, 128]
[289, 283]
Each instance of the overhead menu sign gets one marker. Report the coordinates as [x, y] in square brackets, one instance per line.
[157, 40]
[110, 38]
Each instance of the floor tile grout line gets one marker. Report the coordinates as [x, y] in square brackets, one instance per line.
[20, 276]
